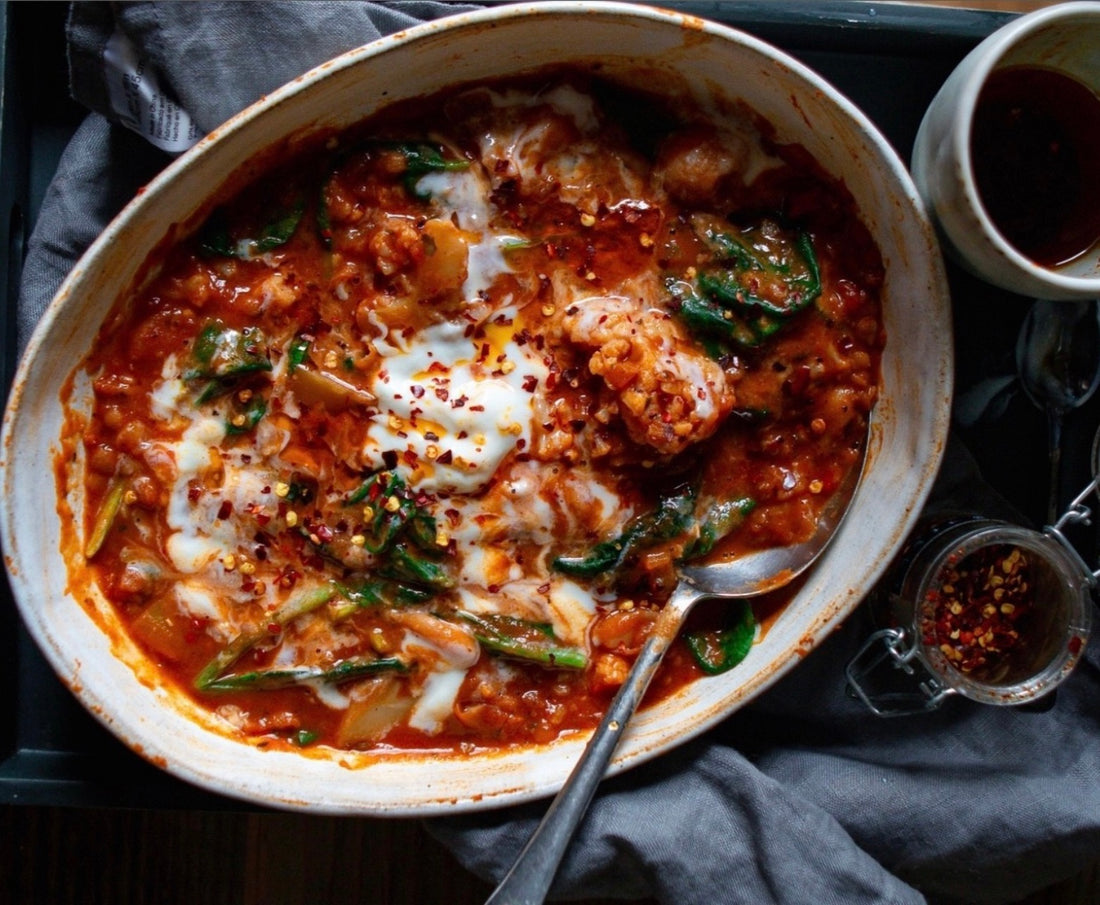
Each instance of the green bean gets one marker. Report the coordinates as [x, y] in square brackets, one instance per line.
[305, 602]
[105, 517]
[524, 640]
[282, 677]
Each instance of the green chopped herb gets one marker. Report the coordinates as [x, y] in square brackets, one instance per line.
[245, 420]
[422, 158]
[720, 519]
[671, 517]
[719, 650]
[755, 281]
[218, 240]
[297, 353]
[304, 737]
[222, 355]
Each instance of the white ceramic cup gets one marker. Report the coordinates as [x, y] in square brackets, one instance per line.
[1064, 37]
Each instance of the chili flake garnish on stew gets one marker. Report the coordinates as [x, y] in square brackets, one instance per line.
[403, 446]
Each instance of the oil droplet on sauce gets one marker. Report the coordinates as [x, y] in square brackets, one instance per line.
[1035, 144]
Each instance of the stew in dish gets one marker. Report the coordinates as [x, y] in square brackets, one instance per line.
[400, 448]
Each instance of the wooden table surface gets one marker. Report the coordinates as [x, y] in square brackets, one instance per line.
[83, 856]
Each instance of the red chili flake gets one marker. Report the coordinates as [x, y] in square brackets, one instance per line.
[431, 436]
[274, 628]
[460, 402]
[453, 516]
[980, 612]
[411, 458]
[530, 382]
[493, 589]
[225, 510]
[193, 493]
[462, 435]
[417, 390]
[196, 628]
[477, 408]
[445, 457]
[442, 394]
[543, 588]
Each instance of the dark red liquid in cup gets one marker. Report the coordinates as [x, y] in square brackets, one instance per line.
[1035, 146]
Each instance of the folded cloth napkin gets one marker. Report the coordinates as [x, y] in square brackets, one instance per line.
[802, 796]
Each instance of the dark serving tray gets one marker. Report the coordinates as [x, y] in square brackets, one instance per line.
[889, 59]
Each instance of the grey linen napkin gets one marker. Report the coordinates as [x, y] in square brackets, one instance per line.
[801, 796]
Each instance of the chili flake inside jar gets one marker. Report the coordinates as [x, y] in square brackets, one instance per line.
[980, 610]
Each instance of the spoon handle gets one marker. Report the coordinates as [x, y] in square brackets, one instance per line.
[530, 877]
[1054, 451]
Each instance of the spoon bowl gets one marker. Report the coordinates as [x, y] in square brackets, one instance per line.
[529, 879]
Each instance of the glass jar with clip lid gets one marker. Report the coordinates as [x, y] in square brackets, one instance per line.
[978, 607]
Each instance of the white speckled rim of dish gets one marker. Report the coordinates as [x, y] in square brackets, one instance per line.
[1063, 37]
[114, 681]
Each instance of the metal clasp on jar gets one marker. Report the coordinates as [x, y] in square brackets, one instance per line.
[891, 677]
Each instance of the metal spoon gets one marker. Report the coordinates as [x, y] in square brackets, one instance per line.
[529, 879]
[1058, 361]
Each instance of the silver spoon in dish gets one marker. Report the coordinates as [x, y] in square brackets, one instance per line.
[1058, 361]
[529, 879]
